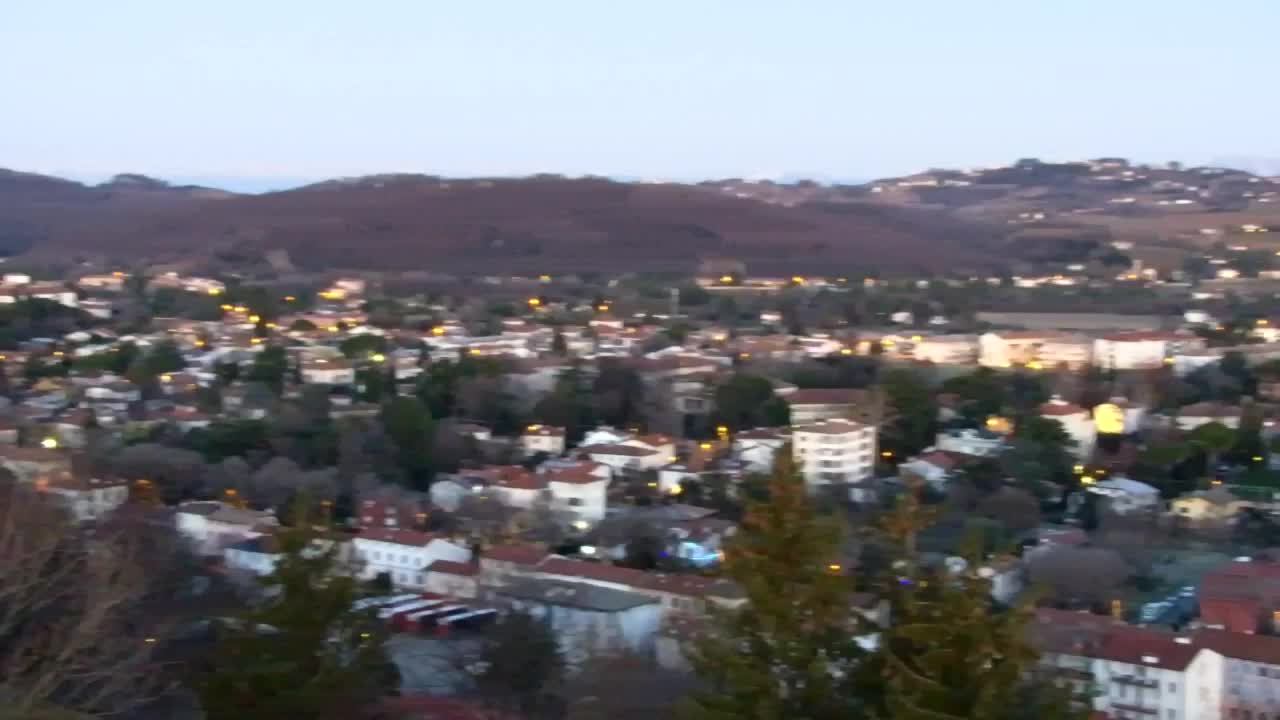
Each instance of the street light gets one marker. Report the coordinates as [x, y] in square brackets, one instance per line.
[49, 443]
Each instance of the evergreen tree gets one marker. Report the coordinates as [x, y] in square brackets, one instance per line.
[269, 368]
[303, 653]
[789, 651]
[947, 652]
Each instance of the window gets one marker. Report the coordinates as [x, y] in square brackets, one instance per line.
[1173, 687]
[575, 502]
[1171, 714]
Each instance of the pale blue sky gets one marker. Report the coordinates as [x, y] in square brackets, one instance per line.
[672, 89]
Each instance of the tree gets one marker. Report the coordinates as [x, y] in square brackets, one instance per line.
[789, 651]
[409, 425]
[1213, 438]
[618, 394]
[1017, 510]
[746, 401]
[948, 655]
[303, 653]
[912, 424]
[1079, 576]
[73, 629]
[947, 652]
[165, 357]
[523, 671]
[270, 368]
[362, 345]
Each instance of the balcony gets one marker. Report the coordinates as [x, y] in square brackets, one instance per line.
[1136, 710]
[1134, 681]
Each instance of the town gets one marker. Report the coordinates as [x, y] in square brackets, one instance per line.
[1095, 444]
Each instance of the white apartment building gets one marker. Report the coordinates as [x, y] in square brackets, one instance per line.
[947, 349]
[757, 448]
[834, 451]
[1077, 421]
[404, 555]
[579, 489]
[1130, 673]
[1250, 673]
[1032, 349]
[1138, 350]
[542, 439]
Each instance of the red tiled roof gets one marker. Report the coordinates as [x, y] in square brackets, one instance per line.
[1209, 409]
[513, 477]
[450, 567]
[1139, 646]
[399, 536]
[617, 449]
[1237, 615]
[1241, 646]
[579, 474]
[520, 554]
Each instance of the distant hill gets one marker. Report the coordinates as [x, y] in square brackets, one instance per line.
[536, 224]
[945, 219]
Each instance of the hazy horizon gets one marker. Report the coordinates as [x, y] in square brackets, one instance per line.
[259, 94]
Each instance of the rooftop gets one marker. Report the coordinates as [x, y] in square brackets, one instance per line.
[583, 596]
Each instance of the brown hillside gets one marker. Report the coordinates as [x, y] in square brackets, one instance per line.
[516, 225]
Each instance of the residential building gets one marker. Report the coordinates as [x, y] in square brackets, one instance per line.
[587, 619]
[501, 564]
[813, 405]
[1190, 417]
[1128, 672]
[328, 371]
[579, 490]
[1140, 349]
[933, 467]
[834, 451]
[255, 555]
[1250, 675]
[211, 526]
[1032, 349]
[403, 555]
[1207, 507]
[86, 498]
[1076, 421]
[542, 439]
[756, 448]
[970, 441]
[453, 579]
[947, 349]
[1126, 496]
[1242, 596]
[626, 458]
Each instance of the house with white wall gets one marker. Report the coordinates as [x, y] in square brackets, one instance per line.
[403, 555]
[834, 451]
[212, 526]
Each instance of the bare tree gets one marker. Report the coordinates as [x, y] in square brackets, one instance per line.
[176, 473]
[73, 636]
[1075, 575]
[1016, 509]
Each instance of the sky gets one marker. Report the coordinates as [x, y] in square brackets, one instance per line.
[261, 93]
